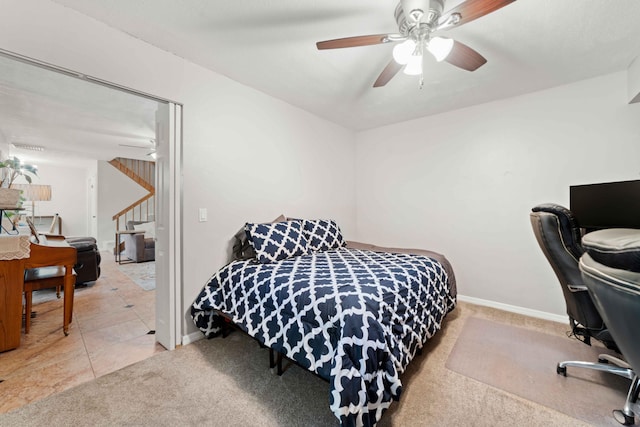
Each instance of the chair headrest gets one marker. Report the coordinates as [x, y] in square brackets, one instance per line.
[569, 226]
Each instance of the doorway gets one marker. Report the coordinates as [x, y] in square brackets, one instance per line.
[61, 94]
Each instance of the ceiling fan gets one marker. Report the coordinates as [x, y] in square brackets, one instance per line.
[146, 145]
[417, 21]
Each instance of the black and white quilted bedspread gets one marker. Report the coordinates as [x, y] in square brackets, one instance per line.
[354, 317]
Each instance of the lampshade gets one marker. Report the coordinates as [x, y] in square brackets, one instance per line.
[440, 47]
[402, 52]
[414, 66]
[34, 192]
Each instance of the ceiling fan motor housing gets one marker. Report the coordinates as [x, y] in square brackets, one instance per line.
[417, 21]
[412, 13]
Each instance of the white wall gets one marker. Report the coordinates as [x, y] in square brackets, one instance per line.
[250, 157]
[247, 156]
[68, 196]
[115, 192]
[463, 183]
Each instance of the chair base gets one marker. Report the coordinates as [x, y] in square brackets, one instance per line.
[623, 418]
[616, 366]
[626, 416]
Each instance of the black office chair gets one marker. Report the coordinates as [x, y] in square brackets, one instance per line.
[615, 289]
[559, 236]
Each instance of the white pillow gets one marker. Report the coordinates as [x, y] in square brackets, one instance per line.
[149, 229]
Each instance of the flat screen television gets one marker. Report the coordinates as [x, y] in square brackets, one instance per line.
[606, 205]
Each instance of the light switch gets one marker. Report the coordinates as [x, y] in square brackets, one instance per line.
[202, 214]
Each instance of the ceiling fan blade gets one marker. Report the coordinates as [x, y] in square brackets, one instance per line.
[464, 57]
[470, 10]
[354, 41]
[387, 74]
[135, 146]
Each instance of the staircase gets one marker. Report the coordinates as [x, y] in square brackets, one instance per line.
[143, 172]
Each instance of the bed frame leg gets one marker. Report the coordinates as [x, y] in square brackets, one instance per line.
[226, 328]
[279, 361]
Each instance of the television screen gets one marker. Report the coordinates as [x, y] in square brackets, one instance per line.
[606, 205]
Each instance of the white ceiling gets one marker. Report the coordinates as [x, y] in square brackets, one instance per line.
[74, 120]
[270, 45]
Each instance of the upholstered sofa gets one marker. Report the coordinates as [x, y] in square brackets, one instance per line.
[140, 247]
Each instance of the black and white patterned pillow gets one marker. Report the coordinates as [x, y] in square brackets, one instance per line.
[277, 241]
[322, 235]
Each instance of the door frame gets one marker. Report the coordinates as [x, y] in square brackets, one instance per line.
[168, 216]
[173, 282]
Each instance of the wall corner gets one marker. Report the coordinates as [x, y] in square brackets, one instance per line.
[633, 81]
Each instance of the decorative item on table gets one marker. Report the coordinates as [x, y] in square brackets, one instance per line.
[10, 170]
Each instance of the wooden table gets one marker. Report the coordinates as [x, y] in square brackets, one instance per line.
[47, 253]
[11, 282]
[14, 249]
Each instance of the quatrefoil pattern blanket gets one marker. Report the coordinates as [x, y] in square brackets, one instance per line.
[354, 317]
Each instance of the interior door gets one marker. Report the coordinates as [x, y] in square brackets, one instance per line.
[168, 302]
[92, 186]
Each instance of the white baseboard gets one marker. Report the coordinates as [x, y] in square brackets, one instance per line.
[192, 337]
[515, 309]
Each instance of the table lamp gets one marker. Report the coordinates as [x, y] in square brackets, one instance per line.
[34, 193]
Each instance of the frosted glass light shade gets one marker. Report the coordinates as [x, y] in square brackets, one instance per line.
[414, 66]
[440, 47]
[403, 51]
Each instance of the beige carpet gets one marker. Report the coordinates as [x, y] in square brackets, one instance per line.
[523, 362]
[226, 382]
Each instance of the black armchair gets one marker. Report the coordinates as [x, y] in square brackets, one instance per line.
[558, 234]
[88, 267]
[611, 271]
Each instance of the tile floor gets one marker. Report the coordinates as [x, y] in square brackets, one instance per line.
[111, 321]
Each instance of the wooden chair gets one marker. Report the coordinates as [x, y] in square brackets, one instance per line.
[50, 265]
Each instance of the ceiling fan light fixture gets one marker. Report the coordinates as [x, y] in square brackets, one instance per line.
[417, 21]
[402, 52]
[414, 66]
[440, 47]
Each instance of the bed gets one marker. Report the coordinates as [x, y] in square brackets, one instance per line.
[354, 314]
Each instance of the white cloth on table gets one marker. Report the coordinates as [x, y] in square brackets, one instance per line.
[14, 246]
